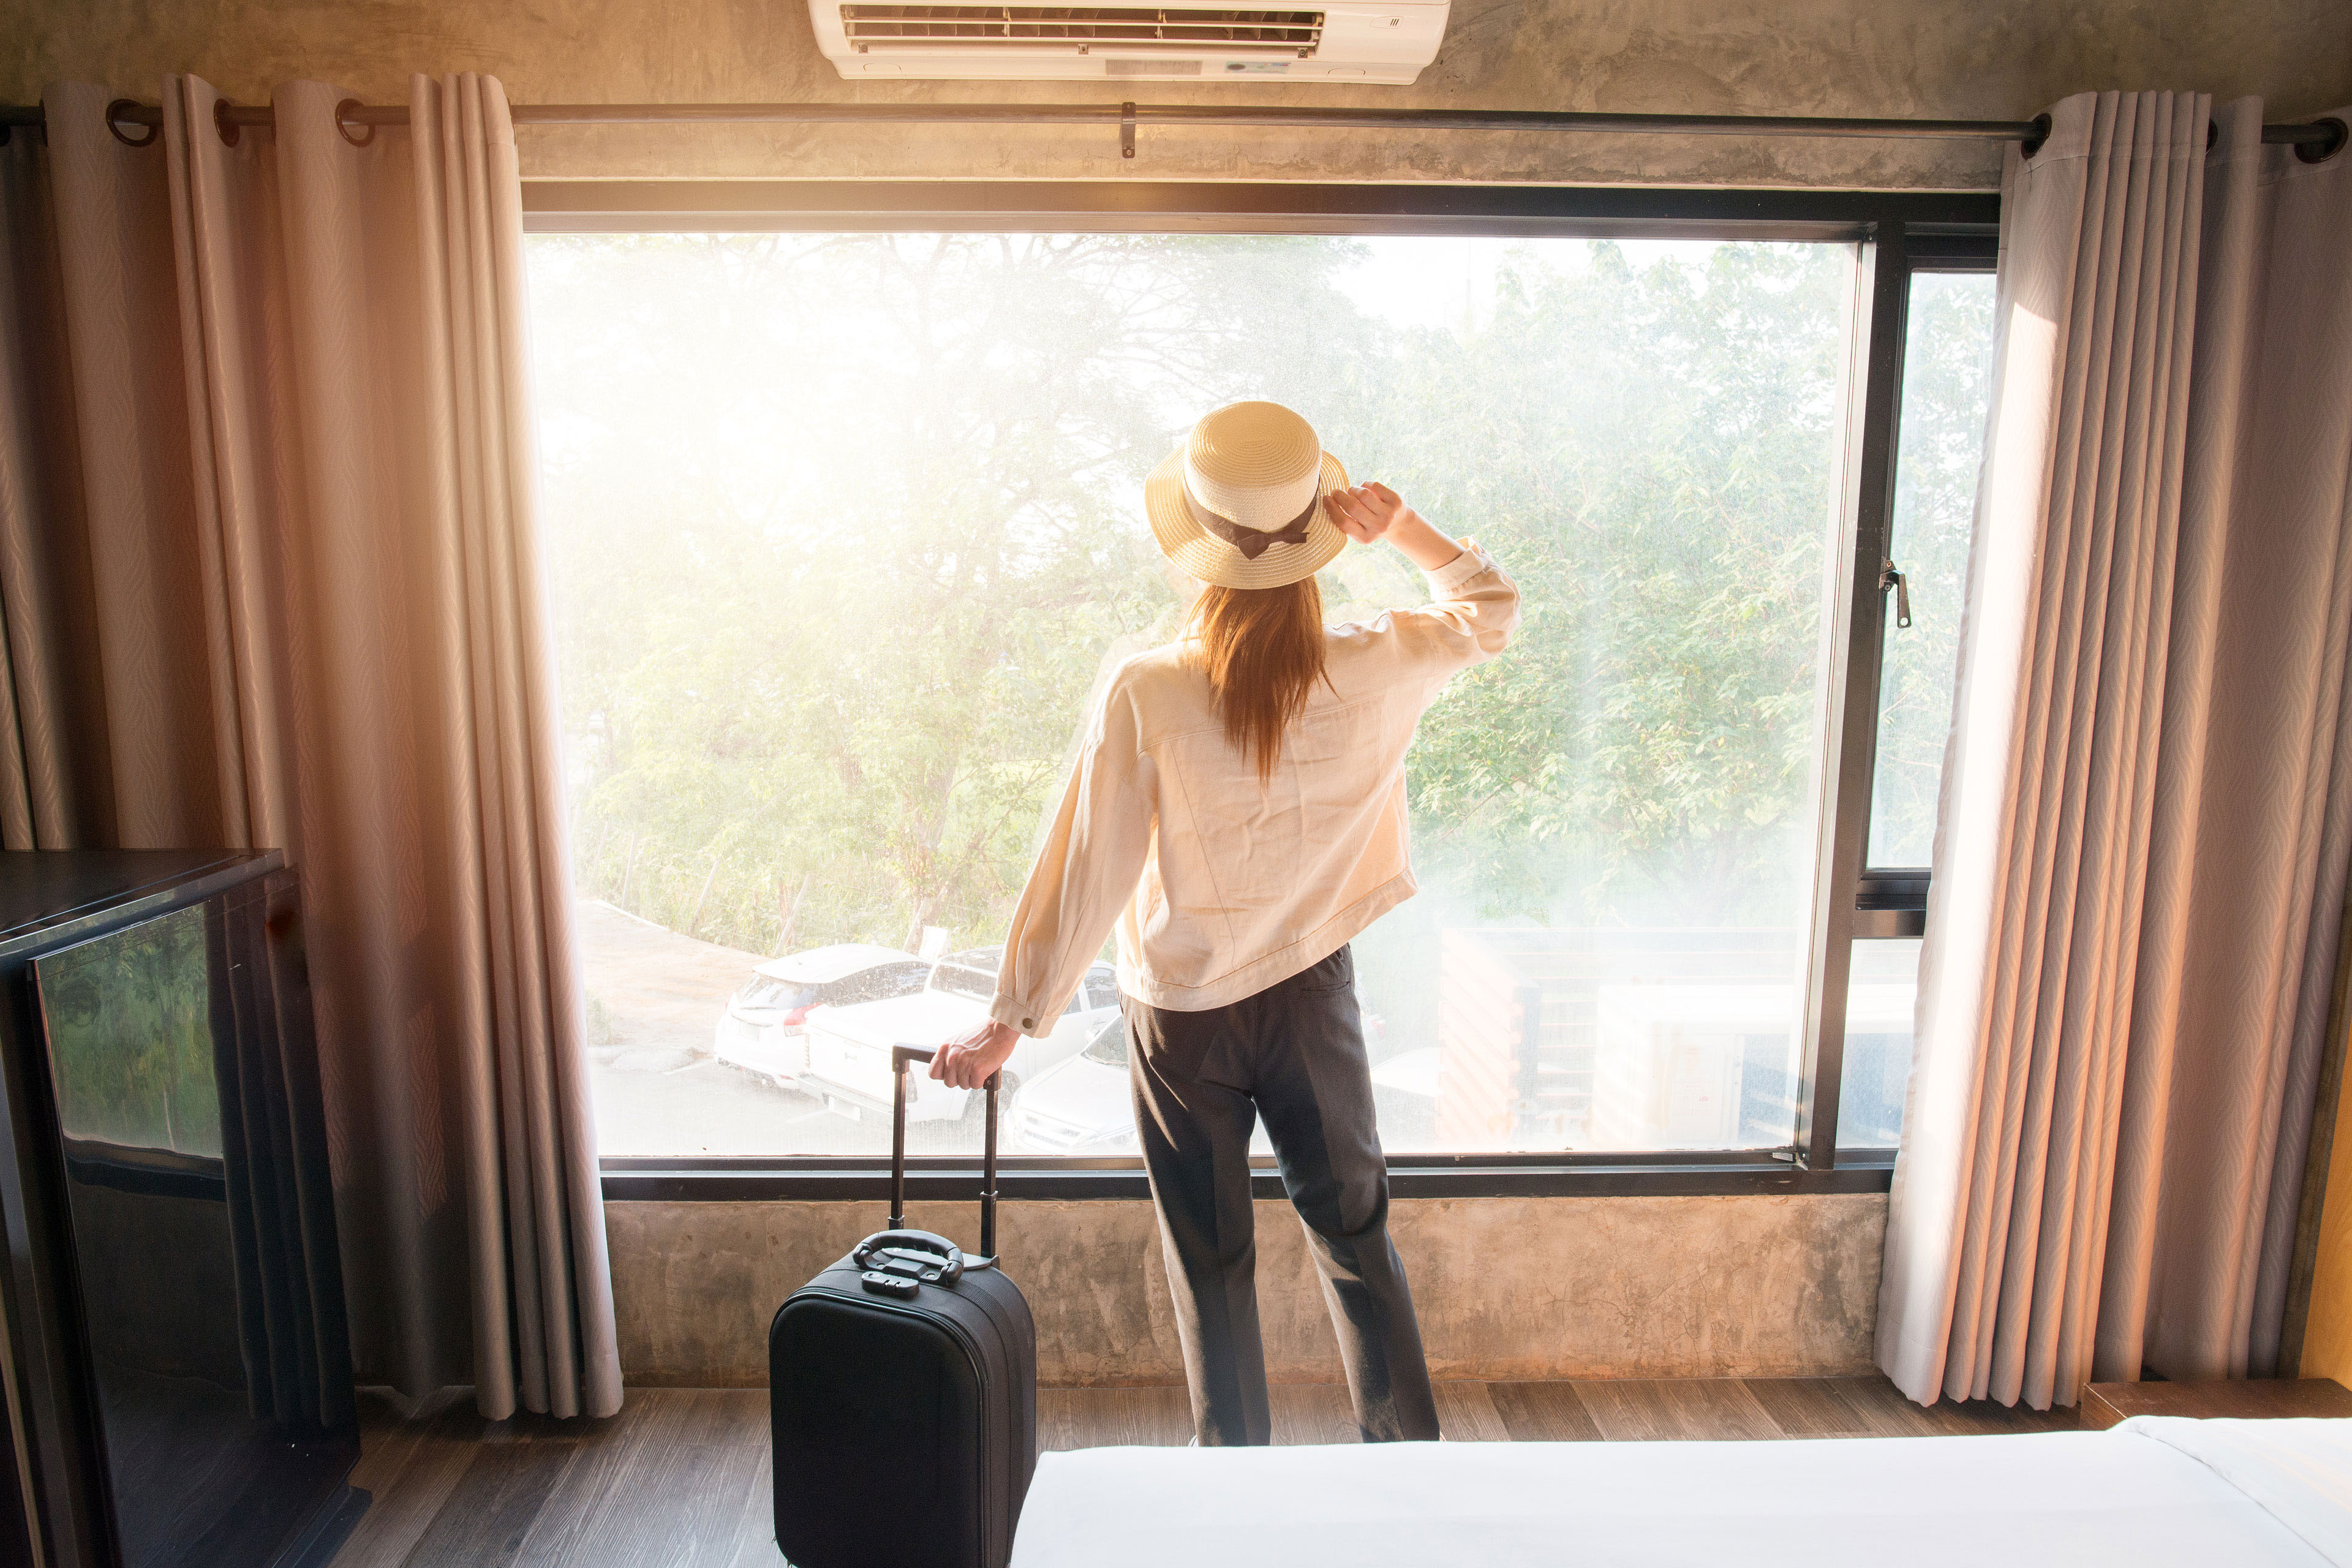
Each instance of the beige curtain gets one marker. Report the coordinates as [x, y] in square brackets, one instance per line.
[269, 568]
[2148, 795]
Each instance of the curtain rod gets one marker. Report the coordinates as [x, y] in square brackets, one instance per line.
[2313, 143]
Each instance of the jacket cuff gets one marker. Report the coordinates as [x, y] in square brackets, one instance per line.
[1021, 1015]
[1472, 562]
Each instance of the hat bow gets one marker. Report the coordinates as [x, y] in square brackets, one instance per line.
[1252, 542]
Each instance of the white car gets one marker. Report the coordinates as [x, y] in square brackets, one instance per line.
[849, 1047]
[764, 1031]
[1086, 1107]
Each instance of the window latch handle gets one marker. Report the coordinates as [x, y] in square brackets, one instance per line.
[1888, 577]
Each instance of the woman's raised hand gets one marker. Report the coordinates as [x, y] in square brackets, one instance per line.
[1366, 512]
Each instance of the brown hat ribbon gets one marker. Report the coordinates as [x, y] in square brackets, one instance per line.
[1252, 542]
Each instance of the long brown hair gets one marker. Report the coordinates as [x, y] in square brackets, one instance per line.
[1262, 650]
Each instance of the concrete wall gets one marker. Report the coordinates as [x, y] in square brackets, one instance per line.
[1983, 58]
[1506, 1287]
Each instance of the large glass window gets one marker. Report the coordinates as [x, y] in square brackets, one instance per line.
[846, 528]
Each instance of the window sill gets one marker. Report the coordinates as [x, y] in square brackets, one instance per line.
[1677, 1175]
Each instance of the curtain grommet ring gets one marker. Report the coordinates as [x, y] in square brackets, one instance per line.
[2320, 152]
[346, 125]
[2036, 139]
[115, 113]
[229, 128]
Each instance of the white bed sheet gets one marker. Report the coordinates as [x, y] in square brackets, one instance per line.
[2125, 1496]
[2298, 1470]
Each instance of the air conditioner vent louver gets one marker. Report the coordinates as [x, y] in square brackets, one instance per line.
[1375, 41]
[1132, 28]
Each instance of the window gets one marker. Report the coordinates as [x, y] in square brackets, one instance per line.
[1945, 389]
[1946, 382]
[844, 526]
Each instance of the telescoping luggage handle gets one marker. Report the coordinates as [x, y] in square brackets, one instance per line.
[901, 1057]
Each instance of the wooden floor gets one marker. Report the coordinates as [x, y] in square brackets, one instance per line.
[680, 1478]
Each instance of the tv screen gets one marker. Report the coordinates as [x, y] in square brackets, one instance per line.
[172, 1224]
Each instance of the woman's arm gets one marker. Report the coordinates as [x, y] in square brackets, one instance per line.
[1084, 875]
[1474, 607]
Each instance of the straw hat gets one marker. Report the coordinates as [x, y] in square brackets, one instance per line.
[1240, 504]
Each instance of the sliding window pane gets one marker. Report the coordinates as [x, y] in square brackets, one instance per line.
[1946, 382]
[1881, 1001]
[846, 528]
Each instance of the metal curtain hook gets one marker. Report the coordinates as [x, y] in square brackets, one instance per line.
[346, 123]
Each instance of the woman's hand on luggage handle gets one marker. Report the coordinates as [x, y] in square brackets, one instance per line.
[1373, 511]
[972, 1058]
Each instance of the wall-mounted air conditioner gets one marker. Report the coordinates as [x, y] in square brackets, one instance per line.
[1183, 40]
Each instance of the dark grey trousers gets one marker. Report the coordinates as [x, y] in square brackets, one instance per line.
[1293, 1053]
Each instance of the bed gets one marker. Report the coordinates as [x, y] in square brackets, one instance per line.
[2154, 1490]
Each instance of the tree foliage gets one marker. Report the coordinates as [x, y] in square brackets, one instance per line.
[845, 527]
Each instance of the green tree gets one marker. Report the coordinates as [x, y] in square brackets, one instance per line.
[856, 665]
[846, 527]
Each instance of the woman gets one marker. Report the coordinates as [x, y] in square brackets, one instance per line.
[1238, 811]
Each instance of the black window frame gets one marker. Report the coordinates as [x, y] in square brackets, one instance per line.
[1899, 233]
[1856, 900]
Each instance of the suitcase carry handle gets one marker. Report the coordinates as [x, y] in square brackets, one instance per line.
[911, 1255]
[901, 1057]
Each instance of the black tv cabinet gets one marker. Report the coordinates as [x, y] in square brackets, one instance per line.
[176, 1357]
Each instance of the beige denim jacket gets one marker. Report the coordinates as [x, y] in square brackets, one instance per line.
[1221, 885]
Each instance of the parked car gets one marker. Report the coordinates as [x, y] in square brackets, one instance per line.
[764, 1031]
[1084, 1108]
[849, 1047]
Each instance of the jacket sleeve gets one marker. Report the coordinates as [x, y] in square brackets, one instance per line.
[1473, 608]
[1086, 873]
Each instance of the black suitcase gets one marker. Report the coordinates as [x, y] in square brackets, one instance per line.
[902, 1392]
